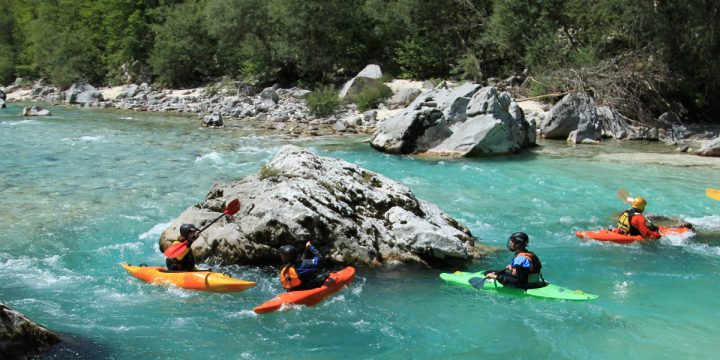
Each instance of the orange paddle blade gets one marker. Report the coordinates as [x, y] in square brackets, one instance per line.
[176, 249]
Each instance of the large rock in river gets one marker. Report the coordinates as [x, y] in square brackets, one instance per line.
[465, 121]
[354, 215]
[20, 338]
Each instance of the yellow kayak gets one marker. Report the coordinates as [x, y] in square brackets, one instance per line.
[202, 280]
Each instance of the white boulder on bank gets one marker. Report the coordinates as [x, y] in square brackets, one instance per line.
[465, 121]
[573, 118]
[370, 75]
[83, 93]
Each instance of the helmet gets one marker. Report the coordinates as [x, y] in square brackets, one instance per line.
[639, 203]
[288, 253]
[518, 237]
[186, 229]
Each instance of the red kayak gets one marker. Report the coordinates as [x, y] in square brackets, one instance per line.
[333, 284]
[608, 235]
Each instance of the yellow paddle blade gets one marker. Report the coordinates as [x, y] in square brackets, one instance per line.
[712, 193]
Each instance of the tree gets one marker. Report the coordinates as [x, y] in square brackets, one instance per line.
[184, 51]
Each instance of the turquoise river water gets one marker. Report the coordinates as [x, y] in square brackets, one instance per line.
[82, 190]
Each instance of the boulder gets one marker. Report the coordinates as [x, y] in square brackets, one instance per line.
[464, 121]
[586, 133]
[403, 98]
[711, 148]
[83, 93]
[20, 338]
[3, 96]
[213, 120]
[355, 216]
[268, 98]
[370, 75]
[128, 91]
[569, 114]
[613, 124]
[35, 111]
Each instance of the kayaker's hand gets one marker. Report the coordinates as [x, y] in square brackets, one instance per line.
[491, 276]
[308, 244]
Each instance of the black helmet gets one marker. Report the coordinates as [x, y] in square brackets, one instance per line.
[186, 229]
[288, 253]
[518, 237]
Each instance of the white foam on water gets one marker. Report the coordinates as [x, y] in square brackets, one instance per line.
[38, 272]
[621, 288]
[134, 246]
[335, 298]
[247, 149]
[290, 307]
[214, 157]
[126, 118]
[242, 314]
[136, 218]
[73, 141]
[155, 231]
[20, 122]
[706, 223]
[567, 220]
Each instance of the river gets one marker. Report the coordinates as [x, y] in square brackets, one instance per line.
[84, 190]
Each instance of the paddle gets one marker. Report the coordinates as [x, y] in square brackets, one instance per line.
[178, 248]
[624, 196]
[477, 282]
[713, 193]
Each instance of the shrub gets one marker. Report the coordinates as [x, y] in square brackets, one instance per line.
[372, 96]
[267, 171]
[323, 101]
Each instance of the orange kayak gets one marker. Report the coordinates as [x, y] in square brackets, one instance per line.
[192, 280]
[333, 284]
[608, 235]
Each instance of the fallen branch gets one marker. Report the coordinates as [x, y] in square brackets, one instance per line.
[544, 96]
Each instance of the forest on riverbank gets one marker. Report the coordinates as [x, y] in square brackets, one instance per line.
[642, 57]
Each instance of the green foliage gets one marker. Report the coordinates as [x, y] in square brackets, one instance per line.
[372, 95]
[183, 49]
[267, 171]
[468, 68]
[323, 101]
[187, 42]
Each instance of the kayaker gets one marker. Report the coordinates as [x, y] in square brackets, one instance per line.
[632, 222]
[185, 261]
[302, 274]
[524, 270]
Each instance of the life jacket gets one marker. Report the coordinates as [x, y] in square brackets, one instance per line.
[289, 277]
[535, 265]
[535, 279]
[624, 224]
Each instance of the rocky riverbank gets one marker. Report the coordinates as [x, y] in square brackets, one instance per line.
[444, 120]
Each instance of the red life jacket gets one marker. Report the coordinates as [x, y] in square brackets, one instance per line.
[289, 277]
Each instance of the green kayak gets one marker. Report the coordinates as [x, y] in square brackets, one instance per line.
[549, 291]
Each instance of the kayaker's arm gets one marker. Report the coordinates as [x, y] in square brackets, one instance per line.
[638, 221]
[316, 261]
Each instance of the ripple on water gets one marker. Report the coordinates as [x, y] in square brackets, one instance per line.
[155, 231]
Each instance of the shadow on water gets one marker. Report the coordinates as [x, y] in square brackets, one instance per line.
[75, 347]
